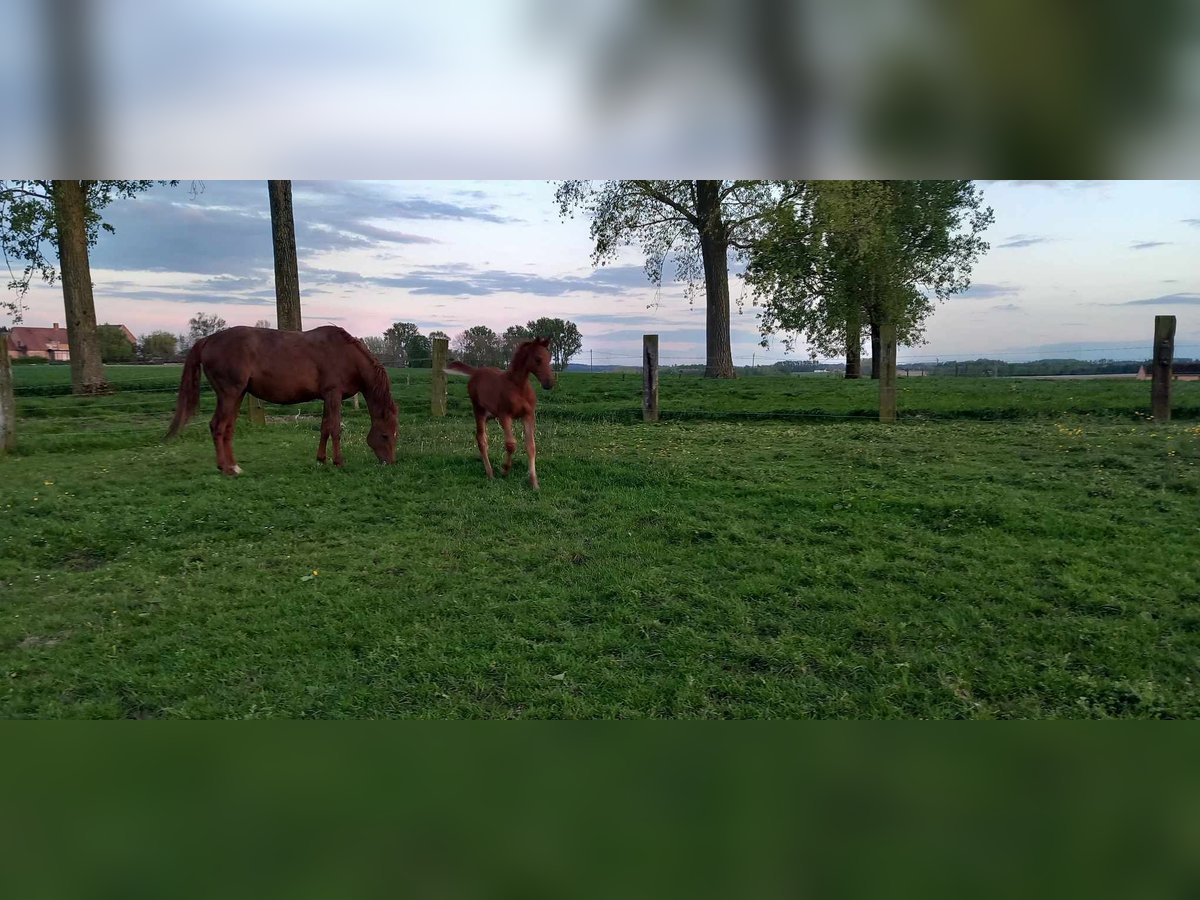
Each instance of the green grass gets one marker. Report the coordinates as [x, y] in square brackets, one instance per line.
[1010, 549]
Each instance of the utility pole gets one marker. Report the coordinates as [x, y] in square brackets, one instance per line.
[591, 359]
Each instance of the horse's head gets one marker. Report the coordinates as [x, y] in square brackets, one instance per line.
[382, 439]
[382, 436]
[539, 362]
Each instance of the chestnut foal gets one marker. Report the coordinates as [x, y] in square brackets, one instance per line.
[507, 396]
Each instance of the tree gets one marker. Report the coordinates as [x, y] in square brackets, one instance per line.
[513, 337]
[377, 346]
[873, 252]
[114, 345]
[65, 215]
[479, 346]
[158, 345]
[418, 352]
[263, 323]
[397, 338]
[283, 236]
[695, 222]
[201, 325]
[565, 340]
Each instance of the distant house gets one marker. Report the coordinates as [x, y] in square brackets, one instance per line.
[47, 343]
[1183, 371]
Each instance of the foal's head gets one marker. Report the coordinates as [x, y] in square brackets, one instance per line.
[534, 357]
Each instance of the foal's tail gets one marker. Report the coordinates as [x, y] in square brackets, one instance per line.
[459, 368]
[189, 389]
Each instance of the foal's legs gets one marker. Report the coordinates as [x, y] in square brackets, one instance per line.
[481, 439]
[331, 427]
[531, 450]
[510, 443]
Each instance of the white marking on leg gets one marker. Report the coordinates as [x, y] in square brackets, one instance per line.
[237, 470]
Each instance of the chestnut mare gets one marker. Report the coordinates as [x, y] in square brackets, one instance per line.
[287, 367]
[507, 396]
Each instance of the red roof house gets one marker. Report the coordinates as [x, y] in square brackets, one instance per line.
[48, 343]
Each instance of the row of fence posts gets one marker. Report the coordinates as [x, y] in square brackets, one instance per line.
[1160, 385]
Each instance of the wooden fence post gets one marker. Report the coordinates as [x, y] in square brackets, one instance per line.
[254, 410]
[437, 403]
[1164, 356]
[649, 377]
[887, 373]
[8, 407]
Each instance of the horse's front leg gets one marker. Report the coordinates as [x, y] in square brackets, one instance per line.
[531, 450]
[333, 405]
[482, 441]
[324, 433]
[510, 444]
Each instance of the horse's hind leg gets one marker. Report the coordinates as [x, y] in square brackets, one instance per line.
[482, 440]
[531, 451]
[510, 444]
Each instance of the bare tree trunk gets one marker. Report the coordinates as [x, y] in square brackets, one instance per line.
[287, 278]
[714, 251]
[75, 272]
[854, 344]
[876, 351]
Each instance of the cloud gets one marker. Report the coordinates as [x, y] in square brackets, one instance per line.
[985, 291]
[460, 279]
[1146, 245]
[1024, 240]
[1183, 299]
[1007, 307]
[1195, 222]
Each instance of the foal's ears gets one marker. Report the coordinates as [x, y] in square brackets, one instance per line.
[544, 341]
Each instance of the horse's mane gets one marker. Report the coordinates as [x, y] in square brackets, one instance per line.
[379, 386]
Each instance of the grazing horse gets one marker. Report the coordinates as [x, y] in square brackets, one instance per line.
[285, 367]
[507, 396]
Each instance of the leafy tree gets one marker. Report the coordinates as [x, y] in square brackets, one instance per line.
[378, 348]
[479, 346]
[695, 222]
[283, 239]
[201, 325]
[865, 252]
[565, 340]
[65, 215]
[397, 338]
[418, 352]
[114, 345]
[513, 337]
[158, 345]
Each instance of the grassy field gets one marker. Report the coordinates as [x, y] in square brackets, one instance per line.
[1010, 549]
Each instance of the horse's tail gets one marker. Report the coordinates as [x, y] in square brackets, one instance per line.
[459, 368]
[189, 389]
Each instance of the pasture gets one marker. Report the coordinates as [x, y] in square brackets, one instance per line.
[1009, 549]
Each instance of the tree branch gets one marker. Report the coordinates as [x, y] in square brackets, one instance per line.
[648, 189]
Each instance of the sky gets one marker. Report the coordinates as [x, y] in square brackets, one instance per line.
[1075, 269]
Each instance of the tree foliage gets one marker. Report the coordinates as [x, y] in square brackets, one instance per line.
[29, 229]
[114, 345]
[418, 352]
[479, 346]
[865, 251]
[397, 338]
[201, 325]
[694, 224]
[565, 339]
[157, 345]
